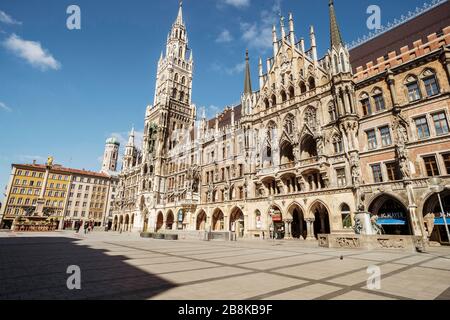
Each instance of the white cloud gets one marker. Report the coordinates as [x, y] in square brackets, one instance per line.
[224, 37]
[5, 18]
[32, 52]
[4, 107]
[236, 69]
[237, 3]
[258, 35]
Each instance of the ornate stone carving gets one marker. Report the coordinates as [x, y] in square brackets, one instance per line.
[391, 243]
[348, 242]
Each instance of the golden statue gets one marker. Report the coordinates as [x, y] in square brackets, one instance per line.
[49, 161]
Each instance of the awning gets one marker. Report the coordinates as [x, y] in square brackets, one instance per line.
[440, 221]
[391, 222]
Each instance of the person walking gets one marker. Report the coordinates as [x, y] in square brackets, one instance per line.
[86, 226]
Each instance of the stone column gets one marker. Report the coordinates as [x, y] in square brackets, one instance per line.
[391, 83]
[310, 229]
[287, 229]
[346, 102]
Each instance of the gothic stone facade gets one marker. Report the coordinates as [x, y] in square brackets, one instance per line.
[316, 144]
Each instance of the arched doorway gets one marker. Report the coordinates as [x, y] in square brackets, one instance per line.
[115, 223]
[170, 220]
[432, 213]
[392, 215]
[237, 222]
[321, 219]
[201, 221]
[298, 225]
[127, 222]
[286, 153]
[121, 224]
[218, 221]
[308, 147]
[276, 223]
[159, 221]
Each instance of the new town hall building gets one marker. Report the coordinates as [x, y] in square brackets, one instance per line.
[321, 140]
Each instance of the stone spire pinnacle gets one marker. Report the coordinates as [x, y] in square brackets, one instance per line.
[336, 38]
[180, 14]
[248, 80]
[131, 138]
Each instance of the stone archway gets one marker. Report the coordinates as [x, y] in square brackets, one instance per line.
[127, 222]
[432, 213]
[159, 221]
[201, 221]
[298, 225]
[286, 153]
[276, 224]
[392, 215]
[116, 221]
[218, 220]
[120, 223]
[170, 220]
[237, 222]
[321, 216]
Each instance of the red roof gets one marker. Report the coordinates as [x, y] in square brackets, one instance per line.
[432, 21]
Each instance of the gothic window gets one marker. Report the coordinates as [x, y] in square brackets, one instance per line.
[274, 101]
[413, 89]
[378, 100]
[311, 118]
[283, 96]
[343, 62]
[174, 93]
[332, 112]
[291, 93]
[346, 216]
[266, 103]
[289, 124]
[312, 83]
[175, 78]
[336, 64]
[182, 96]
[430, 83]
[365, 104]
[337, 144]
[302, 87]
[183, 80]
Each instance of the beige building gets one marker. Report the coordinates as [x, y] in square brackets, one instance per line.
[319, 141]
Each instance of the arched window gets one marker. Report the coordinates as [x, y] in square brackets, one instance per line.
[289, 124]
[338, 145]
[378, 99]
[283, 96]
[332, 112]
[258, 220]
[175, 78]
[413, 89]
[346, 216]
[365, 104]
[182, 96]
[274, 101]
[291, 93]
[266, 103]
[174, 93]
[302, 87]
[312, 83]
[343, 64]
[183, 80]
[430, 82]
[336, 64]
[180, 54]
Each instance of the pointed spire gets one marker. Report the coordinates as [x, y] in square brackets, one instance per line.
[180, 14]
[283, 31]
[261, 77]
[291, 30]
[336, 38]
[248, 80]
[131, 138]
[313, 43]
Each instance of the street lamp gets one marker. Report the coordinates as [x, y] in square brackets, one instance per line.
[436, 186]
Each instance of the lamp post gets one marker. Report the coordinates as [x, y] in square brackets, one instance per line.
[272, 225]
[436, 186]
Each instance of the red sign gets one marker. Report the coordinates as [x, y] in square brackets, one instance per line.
[277, 218]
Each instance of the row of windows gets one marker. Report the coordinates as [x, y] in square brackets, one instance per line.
[372, 140]
[30, 173]
[416, 88]
[392, 172]
[85, 204]
[88, 188]
[28, 191]
[440, 125]
[432, 167]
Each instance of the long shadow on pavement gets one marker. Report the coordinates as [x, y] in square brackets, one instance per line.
[36, 269]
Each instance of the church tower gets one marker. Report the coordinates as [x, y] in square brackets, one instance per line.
[171, 118]
[110, 156]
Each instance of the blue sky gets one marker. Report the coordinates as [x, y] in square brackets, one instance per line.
[63, 92]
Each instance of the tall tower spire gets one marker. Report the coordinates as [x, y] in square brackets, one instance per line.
[336, 38]
[248, 80]
[180, 14]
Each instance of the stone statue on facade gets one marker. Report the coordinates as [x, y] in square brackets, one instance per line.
[429, 223]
